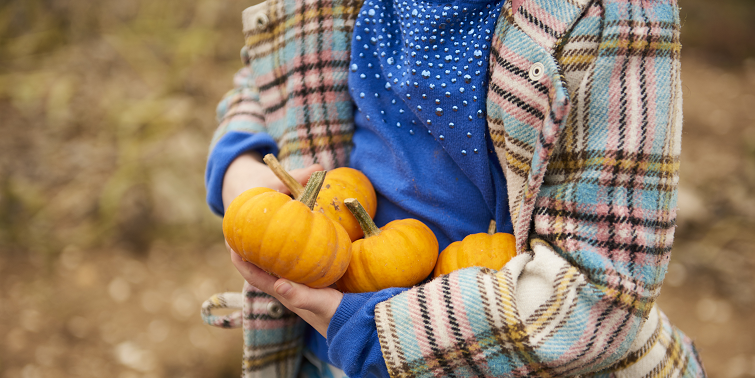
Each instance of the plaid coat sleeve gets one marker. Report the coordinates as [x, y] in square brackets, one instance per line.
[239, 109]
[294, 83]
[584, 110]
[298, 54]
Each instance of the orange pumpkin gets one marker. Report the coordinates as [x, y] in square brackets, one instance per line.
[285, 237]
[492, 250]
[340, 183]
[400, 254]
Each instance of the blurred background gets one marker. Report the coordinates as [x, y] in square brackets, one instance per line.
[107, 248]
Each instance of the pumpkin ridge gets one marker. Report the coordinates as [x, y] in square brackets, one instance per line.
[472, 248]
[316, 272]
[342, 240]
[239, 225]
[333, 207]
[489, 245]
[341, 243]
[367, 263]
[229, 224]
[413, 237]
[347, 280]
[450, 256]
[233, 211]
[281, 224]
[465, 255]
[296, 247]
[456, 257]
[364, 182]
[249, 244]
[396, 243]
[345, 244]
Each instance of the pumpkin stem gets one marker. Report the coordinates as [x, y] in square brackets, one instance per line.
[294, 186]
[309, 196]
[491, 227]
[364, 219]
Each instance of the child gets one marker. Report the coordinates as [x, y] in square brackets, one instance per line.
[560, 119]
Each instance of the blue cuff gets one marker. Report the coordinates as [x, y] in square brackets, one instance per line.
[228, 148]
[350, 304]
[353, 343]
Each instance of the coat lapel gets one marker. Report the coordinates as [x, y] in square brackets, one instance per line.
[547, 21]
[527, 100]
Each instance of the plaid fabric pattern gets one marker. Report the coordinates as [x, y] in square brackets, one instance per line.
[272, 334]
[240, 109]
[272, 342]
[590, 151]
[294, 83]
[300, 65]
[666, 353]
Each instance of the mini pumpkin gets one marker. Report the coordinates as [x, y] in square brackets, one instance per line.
[491, 250]
[285, 237]
[400, 254]
[340, 183]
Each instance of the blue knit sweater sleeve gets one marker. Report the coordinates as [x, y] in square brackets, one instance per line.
[353, 343]
[227, 149]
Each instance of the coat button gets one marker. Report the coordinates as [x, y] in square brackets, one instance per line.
[537, 71]
[275, 309]
[260, 21]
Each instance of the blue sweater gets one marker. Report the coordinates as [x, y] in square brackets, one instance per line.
[418, 80]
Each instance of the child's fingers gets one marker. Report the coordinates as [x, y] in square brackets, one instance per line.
[252, 274]
[318, 301]
[315, 306]
[302, 174]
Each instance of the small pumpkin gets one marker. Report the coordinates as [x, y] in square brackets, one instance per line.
[340, 183]
[285, 237]
[400, 254]
[491, 250]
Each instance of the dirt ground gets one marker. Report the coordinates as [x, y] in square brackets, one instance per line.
[107, 248]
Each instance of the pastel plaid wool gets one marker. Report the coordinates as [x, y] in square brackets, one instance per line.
[295, 83]
[584, 111]
[272, 342]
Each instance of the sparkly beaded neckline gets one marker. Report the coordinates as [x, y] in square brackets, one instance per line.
[421, 66]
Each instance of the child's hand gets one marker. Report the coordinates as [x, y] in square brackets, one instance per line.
[315, 306]
[248, 171]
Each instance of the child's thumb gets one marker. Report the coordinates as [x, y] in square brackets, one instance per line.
[295, 295]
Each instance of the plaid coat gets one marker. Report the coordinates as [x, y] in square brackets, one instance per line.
[584, 110]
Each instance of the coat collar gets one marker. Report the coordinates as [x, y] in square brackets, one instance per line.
[547, 21]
